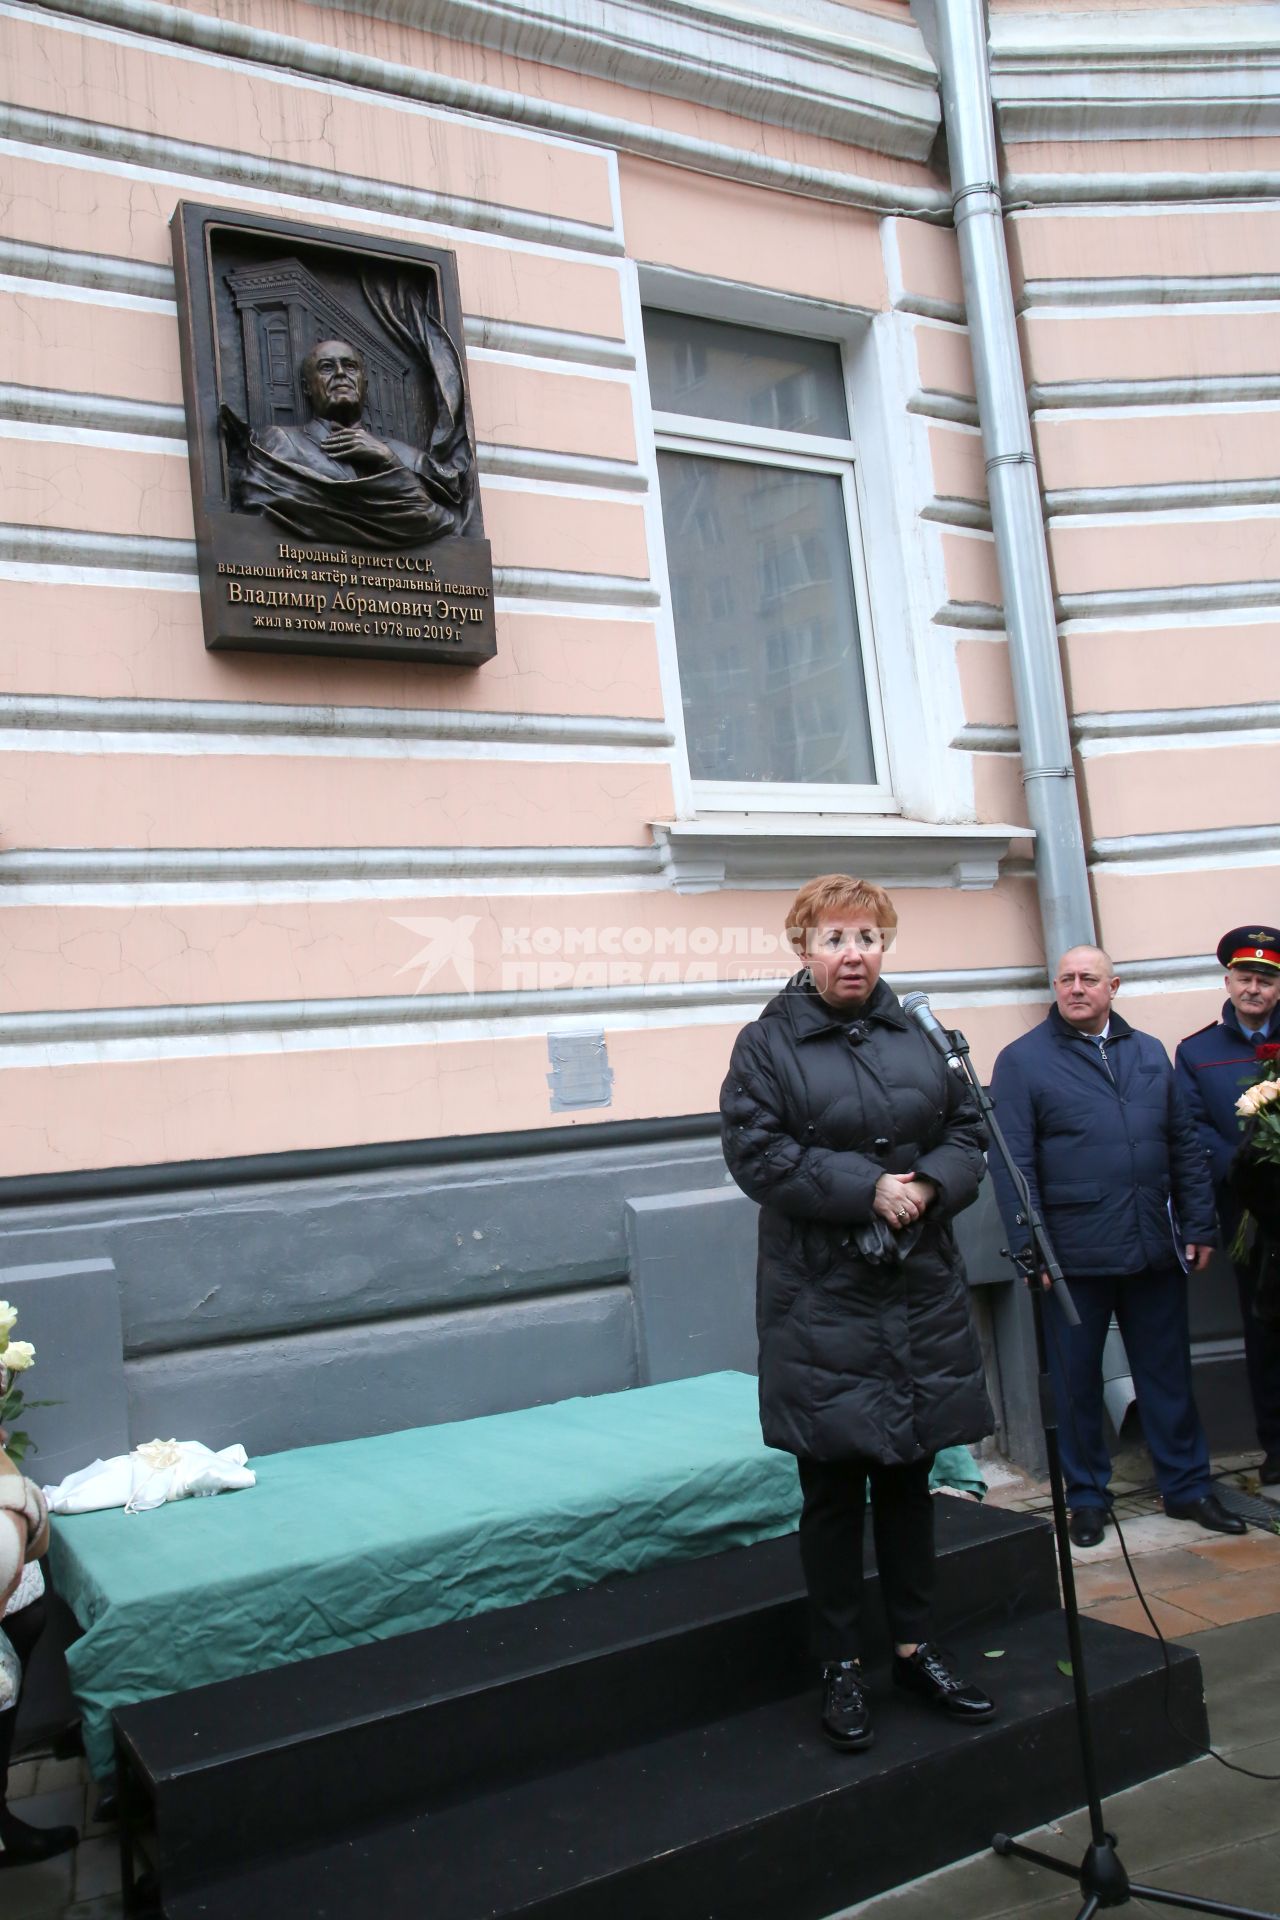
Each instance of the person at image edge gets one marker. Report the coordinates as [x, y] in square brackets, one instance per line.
[1214, 1067]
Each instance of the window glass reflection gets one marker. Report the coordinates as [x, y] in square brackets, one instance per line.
[717, 371]
[766, 622]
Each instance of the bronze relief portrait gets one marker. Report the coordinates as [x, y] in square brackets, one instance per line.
[333, 459]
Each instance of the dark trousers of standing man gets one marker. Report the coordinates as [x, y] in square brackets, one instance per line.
[1152, 1311]
[1262, 1347]
[831, 1525]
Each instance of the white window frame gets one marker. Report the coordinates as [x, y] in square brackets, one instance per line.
[810, 453]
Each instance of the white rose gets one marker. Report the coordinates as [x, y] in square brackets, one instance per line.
[1246, 1105]
[8, 1321]
[18, 1356]
[1266, 1092]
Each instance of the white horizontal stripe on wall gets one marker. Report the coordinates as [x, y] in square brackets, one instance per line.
[1170, 725]
[514, 340]
[109, 418]
[58, 273]
[1141, 189]
[34, 553]
[1151, 291]
[284, 745]
[950, 512]
[950, 407]
[72, 272]
[1186, 499]
[224, 39]
[1172, 395]
[1225, 597]
[213, 726]
[974, 616]
[67, 139]
[199, 876]
[104, 1034]
[135, 426]
[1194, 850]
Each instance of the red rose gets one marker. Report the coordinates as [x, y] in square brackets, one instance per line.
[1269, 1050]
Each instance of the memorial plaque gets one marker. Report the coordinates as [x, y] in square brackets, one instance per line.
[333, 464]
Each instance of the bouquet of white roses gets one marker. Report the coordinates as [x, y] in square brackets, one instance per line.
[15, 1358]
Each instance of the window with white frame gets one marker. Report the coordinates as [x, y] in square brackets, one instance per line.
[756, 468]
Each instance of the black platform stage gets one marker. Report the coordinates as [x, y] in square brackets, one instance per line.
[646, 1747]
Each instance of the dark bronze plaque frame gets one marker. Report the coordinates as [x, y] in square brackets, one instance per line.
[264, 589]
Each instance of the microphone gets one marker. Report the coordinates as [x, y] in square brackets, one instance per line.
[917, 1005]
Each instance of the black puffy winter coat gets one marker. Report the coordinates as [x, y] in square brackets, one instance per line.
[856, 1360]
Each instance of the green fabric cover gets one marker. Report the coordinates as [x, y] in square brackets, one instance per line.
[956, 1467]
[366, 1539]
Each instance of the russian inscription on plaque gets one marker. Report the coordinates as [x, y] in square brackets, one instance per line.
[333, 467]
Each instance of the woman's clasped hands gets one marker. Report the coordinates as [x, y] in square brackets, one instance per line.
[901, 1198]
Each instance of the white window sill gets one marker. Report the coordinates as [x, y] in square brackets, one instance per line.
[779, 850]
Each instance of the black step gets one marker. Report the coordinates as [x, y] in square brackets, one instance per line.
[750, 1817]
[284, 1758]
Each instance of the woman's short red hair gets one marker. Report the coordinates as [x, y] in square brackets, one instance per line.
[832, 895]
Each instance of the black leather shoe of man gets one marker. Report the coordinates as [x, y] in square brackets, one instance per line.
[1209, 1513]
[1087, 1526]
[846, 1717]
[1269, 1471]
[926, 1673]
[24, 1846]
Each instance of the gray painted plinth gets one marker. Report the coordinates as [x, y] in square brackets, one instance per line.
[70, 1312]
[693, 1275]
[292, 1312]
[201, 1267]
[342, 1384]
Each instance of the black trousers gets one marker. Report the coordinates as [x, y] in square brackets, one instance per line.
[831, 1526]
[24, 1629]
[1261, 1347]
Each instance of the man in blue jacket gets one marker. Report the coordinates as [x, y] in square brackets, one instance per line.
[1214, 1066]
[1096, 1125]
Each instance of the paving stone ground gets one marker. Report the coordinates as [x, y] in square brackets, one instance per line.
[1191, 1579]
[1201, 1830]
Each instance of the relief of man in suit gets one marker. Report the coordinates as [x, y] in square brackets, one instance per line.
[333, 479]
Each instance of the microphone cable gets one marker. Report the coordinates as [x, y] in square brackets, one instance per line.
[1206, 1749]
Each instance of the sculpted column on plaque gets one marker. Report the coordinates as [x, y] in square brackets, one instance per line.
[327, 401]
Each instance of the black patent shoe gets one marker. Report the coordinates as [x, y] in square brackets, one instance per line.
[24, 1846]
[1087, 1526]
[925, 1672]
[1208, 1513]
[846, 1717]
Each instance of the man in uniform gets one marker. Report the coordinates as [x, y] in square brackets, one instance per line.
[1214, 1067]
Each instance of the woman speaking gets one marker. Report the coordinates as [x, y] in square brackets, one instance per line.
[860, 1145]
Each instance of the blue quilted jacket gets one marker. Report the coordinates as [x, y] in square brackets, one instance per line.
[1105, 1151]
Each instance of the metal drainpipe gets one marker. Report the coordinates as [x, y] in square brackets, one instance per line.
[1013, 485]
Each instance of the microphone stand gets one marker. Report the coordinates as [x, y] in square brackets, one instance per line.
[1101, 1877]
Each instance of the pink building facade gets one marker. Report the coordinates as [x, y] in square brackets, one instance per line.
[348, 1006]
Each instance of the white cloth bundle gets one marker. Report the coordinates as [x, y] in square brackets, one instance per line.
[149, 1476]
